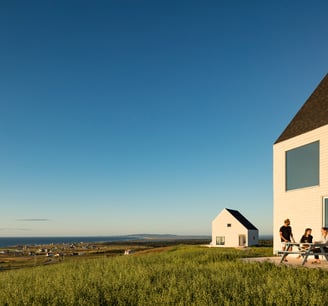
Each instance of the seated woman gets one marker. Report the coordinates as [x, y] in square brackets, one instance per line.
[305, 240]
[324, 240]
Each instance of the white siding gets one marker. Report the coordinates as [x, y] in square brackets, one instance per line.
[303, 206]
[231, 233]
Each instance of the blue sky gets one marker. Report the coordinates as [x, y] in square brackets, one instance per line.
[122, 117]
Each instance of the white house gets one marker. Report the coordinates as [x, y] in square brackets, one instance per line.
[300, 169]
[231, 229]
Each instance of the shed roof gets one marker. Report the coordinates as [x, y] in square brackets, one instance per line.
[241, 219]
[312, 115]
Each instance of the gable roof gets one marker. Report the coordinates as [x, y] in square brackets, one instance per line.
[241, 219]
[313, 114]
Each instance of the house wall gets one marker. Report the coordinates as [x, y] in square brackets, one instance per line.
[304, 207]
[253, 237]
[231, 234]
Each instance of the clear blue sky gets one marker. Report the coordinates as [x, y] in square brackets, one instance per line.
[122, 117]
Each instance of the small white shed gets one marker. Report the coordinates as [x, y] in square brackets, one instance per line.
[231, 229]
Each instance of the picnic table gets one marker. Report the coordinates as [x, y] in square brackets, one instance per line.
[304, 250]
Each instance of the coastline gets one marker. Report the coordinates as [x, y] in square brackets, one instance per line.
[46, 240]
[21, 241]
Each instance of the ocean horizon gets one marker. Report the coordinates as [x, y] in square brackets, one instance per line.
[43, 240]
[21, 241]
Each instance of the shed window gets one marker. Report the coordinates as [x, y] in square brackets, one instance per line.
[228, 224]
[220, 240]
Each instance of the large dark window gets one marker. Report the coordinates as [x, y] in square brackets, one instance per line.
[302, 166]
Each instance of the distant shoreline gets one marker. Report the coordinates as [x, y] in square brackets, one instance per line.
[21, 241]
[266, 237]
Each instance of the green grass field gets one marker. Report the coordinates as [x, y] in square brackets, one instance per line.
[175, 275]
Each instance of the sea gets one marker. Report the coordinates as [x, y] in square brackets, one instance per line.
[23, 241]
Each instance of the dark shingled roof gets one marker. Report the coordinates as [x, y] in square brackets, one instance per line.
[312, 115]
[241, 219]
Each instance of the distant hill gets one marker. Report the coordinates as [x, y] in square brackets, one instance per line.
[165, 237]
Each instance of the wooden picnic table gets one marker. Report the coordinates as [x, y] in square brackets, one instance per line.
[305, 250]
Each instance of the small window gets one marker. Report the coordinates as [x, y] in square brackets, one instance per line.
[229, 225]
[220, 240]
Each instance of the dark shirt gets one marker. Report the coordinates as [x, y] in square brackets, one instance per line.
[307, 239]
[286, 232]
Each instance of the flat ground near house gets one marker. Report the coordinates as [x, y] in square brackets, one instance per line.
[292, 262]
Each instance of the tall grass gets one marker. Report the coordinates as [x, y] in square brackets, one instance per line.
[181, 275]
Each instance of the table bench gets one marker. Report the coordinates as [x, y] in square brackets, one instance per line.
[311, 250]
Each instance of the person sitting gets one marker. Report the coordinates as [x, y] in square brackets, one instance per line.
[324, 233]
[305, 240]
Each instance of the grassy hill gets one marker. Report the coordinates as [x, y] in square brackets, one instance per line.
[168, 275]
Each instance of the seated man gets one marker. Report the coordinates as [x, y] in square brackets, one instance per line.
[324, 233]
